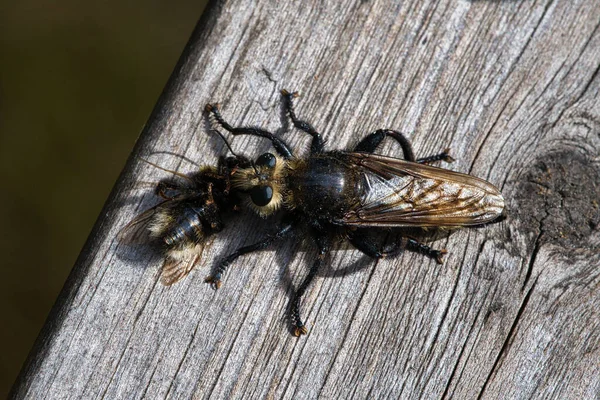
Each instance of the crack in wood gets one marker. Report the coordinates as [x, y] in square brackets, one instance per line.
[505, 346]
[460, 355]
[534, 253]
[348, 328]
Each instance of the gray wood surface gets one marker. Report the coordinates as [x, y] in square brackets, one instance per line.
[511, 86]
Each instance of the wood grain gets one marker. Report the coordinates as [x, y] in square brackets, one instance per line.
[511, 86]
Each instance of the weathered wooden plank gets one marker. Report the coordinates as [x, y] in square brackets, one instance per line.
[511, 86]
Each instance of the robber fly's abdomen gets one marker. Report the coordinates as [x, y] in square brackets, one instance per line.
[396, 193]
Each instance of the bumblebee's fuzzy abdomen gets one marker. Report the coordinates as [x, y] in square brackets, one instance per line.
[189, 223]
[323, 187]
[186, 227]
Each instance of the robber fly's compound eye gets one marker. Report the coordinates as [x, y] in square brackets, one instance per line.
[261, 195]
[266, 160]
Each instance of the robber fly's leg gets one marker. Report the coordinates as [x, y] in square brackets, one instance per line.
[215, 278]
[370, 143]
[367, 246]
[443, 156]
[323, 243]
[412, 244]
[318, 143]
[216, 119]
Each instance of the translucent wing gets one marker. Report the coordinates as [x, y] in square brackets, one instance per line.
[398, 193]
[136, 231]
[179, 264]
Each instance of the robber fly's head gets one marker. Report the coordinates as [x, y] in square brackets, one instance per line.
[263, 182]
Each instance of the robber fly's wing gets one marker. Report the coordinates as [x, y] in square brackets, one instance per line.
[136, 231]
[179, 264]
[398, 193]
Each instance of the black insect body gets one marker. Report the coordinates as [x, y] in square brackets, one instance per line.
[330, 192]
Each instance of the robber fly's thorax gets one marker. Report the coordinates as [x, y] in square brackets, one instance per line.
[323, 185]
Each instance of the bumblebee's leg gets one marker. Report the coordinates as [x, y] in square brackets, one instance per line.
[323, 243]
[215, 278]
[369, 144]
[318, 143]
[163, 187]
[443, 156]
[215, 118]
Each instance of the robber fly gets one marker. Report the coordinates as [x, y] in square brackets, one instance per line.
[329, 193]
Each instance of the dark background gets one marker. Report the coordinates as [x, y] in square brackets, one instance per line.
[77, 82]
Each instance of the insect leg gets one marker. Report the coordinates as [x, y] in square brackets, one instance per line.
[165, 186]
[412, 244]
[443, 156]
[279, 145]
[369, 144]
[323, 243]
[318, 143]
[367, 246]
[215, 278]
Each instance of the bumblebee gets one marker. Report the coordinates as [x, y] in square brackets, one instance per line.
[192, 210]
[329, 193]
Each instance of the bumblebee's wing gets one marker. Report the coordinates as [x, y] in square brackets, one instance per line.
[398, 193]
[136, 231]
[179, 263]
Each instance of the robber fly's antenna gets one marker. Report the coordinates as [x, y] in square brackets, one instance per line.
[229, 147]
[179, 174]
[226, 142]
